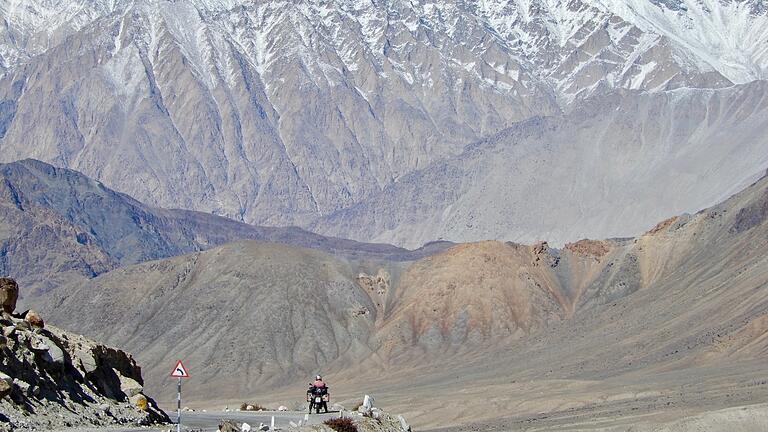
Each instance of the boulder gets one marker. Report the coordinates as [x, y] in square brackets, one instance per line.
[37, 344]
[34, 319]
[5, 388]
[24, 387]
[86, 361]
[9, 330]
[367, 407]
[55, 353]
[139, 401]
[228, 426]
[129, 386]
[368, 402]
[404, 424]
[9, 294]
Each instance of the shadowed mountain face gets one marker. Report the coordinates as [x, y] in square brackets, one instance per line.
[674, 310]
[319, 114]
[58, 224]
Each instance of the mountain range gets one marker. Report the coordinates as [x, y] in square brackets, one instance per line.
[489, 214]
[342, 116]
[669, 321]
[58, 225]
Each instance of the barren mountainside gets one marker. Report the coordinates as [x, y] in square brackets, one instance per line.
[675, 305]
[284, 113]
[610, 169]
[58, 225]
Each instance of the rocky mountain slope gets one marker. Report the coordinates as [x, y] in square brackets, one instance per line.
[52, 379]
[283, 113]
[58, 225]
[610, 169]
[670, 320]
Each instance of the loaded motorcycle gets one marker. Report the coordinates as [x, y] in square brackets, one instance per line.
[318, 397]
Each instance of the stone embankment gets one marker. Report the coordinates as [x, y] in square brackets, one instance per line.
[52, 379]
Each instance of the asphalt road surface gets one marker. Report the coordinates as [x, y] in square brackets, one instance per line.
[209, 421]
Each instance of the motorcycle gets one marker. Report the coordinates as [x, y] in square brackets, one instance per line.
[318, 397]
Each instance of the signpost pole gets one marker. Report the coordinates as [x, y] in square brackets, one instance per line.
[178, 407]
[179, 372]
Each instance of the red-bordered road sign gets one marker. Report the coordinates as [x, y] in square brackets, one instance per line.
[180, 371]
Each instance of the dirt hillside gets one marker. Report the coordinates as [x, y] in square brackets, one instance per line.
[672, 323]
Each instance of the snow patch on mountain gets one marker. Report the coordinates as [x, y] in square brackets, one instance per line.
[732, 36]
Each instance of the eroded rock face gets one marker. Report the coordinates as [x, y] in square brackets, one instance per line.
[51, 379]
[593, 248]
[752, 215]
[9, 294]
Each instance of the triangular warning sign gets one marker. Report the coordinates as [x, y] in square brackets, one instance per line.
[180, 371]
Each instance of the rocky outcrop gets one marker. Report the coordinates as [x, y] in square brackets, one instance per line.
[50, 379]
[593, 248]
[9, 294]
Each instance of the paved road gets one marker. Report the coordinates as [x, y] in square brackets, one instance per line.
[209, 421]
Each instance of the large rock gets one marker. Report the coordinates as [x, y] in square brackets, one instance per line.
[9, 294]
[85, 360]
[34, 319]
[139, 401]
[6, 385]
[228, 426]
[5, 388]
[24, 387]
[129, 386]
[404, 424]
[55, 355]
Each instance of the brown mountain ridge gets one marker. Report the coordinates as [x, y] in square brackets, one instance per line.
[677, 313]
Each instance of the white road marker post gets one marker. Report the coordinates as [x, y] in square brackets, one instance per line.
[179, 372]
